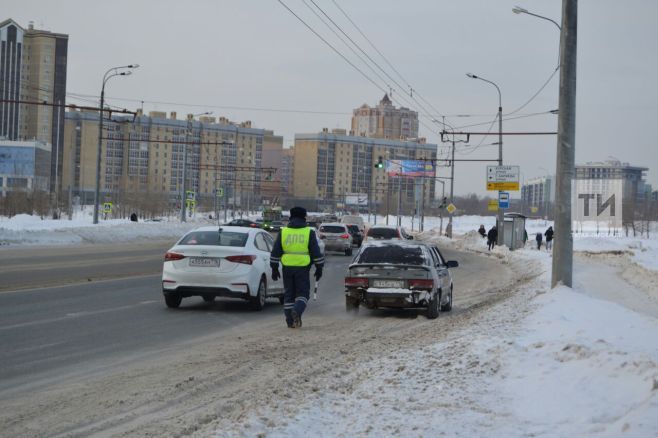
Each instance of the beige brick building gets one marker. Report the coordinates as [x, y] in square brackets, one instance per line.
[145, 155]
[385, 121]
[330, 165]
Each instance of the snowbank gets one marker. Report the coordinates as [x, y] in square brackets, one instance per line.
[544, 362]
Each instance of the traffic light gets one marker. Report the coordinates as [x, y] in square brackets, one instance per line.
[380, 163]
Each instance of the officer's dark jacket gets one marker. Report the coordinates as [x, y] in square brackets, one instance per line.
[313, 247]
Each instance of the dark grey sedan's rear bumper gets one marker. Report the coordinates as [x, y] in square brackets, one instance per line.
[407, 300]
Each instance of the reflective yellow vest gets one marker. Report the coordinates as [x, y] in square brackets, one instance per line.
[294, 242]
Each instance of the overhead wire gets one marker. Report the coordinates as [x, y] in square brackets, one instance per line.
[388, 62]
[332, 47]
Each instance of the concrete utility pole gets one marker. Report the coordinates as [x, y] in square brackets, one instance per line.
[566, 147]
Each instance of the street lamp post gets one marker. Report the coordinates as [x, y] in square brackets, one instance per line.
[501, 217]
[188, 135]
[124, 70]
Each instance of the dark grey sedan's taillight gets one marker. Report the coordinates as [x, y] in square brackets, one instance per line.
[356, 282]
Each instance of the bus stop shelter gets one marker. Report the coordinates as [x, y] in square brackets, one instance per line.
[514, 231]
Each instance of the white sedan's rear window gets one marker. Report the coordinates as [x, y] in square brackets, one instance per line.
[225, 238]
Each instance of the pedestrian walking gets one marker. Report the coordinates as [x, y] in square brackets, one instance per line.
[549, 238]
[538, 238]
[492, 237]
[295, 248]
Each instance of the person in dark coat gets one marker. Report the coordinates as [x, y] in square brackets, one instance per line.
[296, 248]
[482, 231]
[549, 238]
[492, 237]
[538, 238]
[133, 217]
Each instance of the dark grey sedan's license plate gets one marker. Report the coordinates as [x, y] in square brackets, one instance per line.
[204, 262]
[388, 283]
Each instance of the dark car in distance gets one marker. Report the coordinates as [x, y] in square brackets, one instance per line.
[357, 235]
[243, 223]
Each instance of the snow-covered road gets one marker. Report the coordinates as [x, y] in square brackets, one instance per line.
[529, 360]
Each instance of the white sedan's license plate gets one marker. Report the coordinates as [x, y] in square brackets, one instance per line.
[388, 283]
[204, 262]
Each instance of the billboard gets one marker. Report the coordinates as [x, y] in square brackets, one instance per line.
[356, 199]
[410, 168]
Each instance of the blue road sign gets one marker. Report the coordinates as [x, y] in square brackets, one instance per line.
[503, 199]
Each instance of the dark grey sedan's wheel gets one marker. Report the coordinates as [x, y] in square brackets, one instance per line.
[258, 302]
[208, 299]
[447, 307]
[348, 252]
[433, 307]
[351, 304]
[173, 300]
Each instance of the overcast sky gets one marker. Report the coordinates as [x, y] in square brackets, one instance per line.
[219, 55]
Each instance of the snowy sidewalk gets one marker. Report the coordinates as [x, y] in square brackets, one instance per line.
[542, 363]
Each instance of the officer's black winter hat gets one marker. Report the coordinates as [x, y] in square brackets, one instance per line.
[299, 212]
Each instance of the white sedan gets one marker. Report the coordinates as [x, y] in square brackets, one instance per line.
[221, 262]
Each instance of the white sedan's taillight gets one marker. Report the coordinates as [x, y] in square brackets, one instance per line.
[173, 256]
[244, 259]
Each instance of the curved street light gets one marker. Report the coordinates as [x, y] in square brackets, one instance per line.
[112, 72]
[520, 10]
[501, 217]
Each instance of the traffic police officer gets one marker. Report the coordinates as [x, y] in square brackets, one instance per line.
[295, 247]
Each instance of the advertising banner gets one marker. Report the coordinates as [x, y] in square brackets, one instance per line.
[410, 168]
[356, 199]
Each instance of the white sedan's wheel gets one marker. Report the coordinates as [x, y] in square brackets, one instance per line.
[258, 302]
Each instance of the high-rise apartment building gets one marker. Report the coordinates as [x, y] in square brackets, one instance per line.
[33, 72]
[145, 154]
[538, 195]
[385, 121]
[330, 165]
[272, 156]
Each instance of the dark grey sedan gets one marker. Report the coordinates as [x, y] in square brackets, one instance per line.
[400, 274]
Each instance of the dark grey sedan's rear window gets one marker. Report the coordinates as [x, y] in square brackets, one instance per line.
[332, 229]
[393, 254]
[225, 238]
[383, 233]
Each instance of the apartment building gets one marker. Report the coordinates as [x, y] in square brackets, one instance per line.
[272, 159]
[538, 195]
[385, 121]
[145, 154]
[330, 165]
[33, 70]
